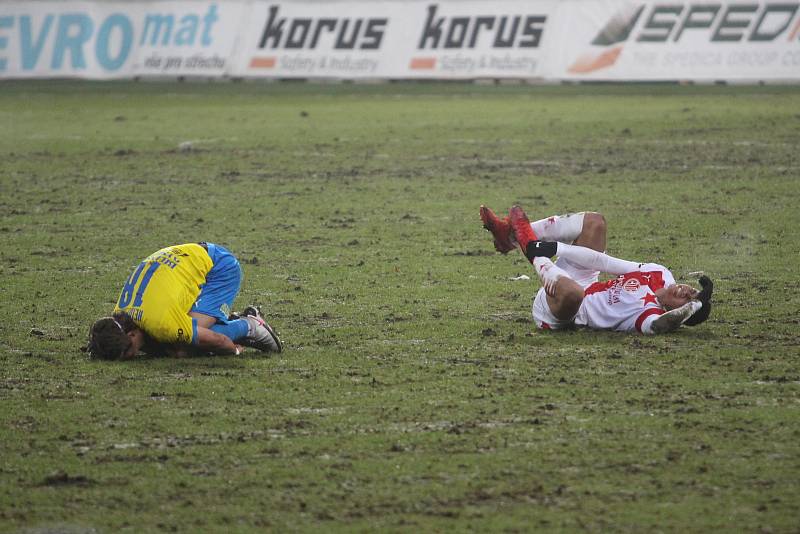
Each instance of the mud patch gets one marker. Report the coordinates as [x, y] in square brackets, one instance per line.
[62, 478]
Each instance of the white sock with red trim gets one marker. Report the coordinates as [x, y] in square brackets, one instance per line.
[563, 228]
[548, 273]
[597, 261]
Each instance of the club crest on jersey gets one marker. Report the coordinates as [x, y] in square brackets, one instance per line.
[631, 285]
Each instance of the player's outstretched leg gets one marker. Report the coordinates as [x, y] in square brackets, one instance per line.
[583, 256]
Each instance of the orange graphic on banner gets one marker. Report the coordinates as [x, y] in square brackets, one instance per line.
[262, 63]
[589, 64]
[422, 63]
[794, 32]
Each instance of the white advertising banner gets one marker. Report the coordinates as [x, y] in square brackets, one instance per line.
[700, 40]
[117, 39]
[614, 40]
[395, 39]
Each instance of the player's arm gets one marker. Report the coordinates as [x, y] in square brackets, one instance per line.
[180, 350]
[211, 341]
[174, 350]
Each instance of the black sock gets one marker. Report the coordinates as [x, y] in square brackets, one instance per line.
[540, 249]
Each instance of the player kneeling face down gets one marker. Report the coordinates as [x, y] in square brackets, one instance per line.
[177, 302]
[643, 297]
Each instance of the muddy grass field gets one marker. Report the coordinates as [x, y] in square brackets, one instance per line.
[414, 393]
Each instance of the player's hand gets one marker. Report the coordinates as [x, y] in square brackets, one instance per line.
[708, 288]
[673, 319]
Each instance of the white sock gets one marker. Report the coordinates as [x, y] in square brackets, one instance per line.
[596, 261]
[548, 273]
[562, 228]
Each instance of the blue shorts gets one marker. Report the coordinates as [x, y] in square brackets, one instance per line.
[222, 284]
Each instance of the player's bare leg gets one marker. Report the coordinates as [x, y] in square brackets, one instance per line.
[206, 321]
[593, 233]
[564, 298]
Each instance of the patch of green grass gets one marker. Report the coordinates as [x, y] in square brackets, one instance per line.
[415, 392]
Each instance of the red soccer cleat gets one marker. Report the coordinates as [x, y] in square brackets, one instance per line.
[500, 229]
[521, 227]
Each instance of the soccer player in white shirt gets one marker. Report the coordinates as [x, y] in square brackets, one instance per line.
[642, 298]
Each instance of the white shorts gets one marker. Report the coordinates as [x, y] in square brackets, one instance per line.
[542, 315]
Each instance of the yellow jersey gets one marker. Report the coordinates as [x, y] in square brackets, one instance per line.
[161, 291]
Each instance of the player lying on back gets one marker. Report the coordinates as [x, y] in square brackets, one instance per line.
[642, 298]
[177, 302]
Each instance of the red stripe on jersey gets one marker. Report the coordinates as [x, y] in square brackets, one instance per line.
[644, 315]
[545, 326]
[597, 287]
[653, 279]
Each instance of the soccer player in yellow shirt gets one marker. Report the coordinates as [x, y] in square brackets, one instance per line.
[178, 301]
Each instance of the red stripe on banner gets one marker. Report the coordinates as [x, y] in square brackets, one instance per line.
[422, 63]
[586, 65]
[644, 315]
[263, 62]
[796, 29]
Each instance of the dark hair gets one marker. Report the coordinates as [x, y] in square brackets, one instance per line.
[705, 297]
[108, 337]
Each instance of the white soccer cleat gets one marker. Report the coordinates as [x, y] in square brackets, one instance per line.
[260, 335]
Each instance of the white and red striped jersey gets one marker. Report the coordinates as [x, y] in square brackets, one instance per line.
[626, 303]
